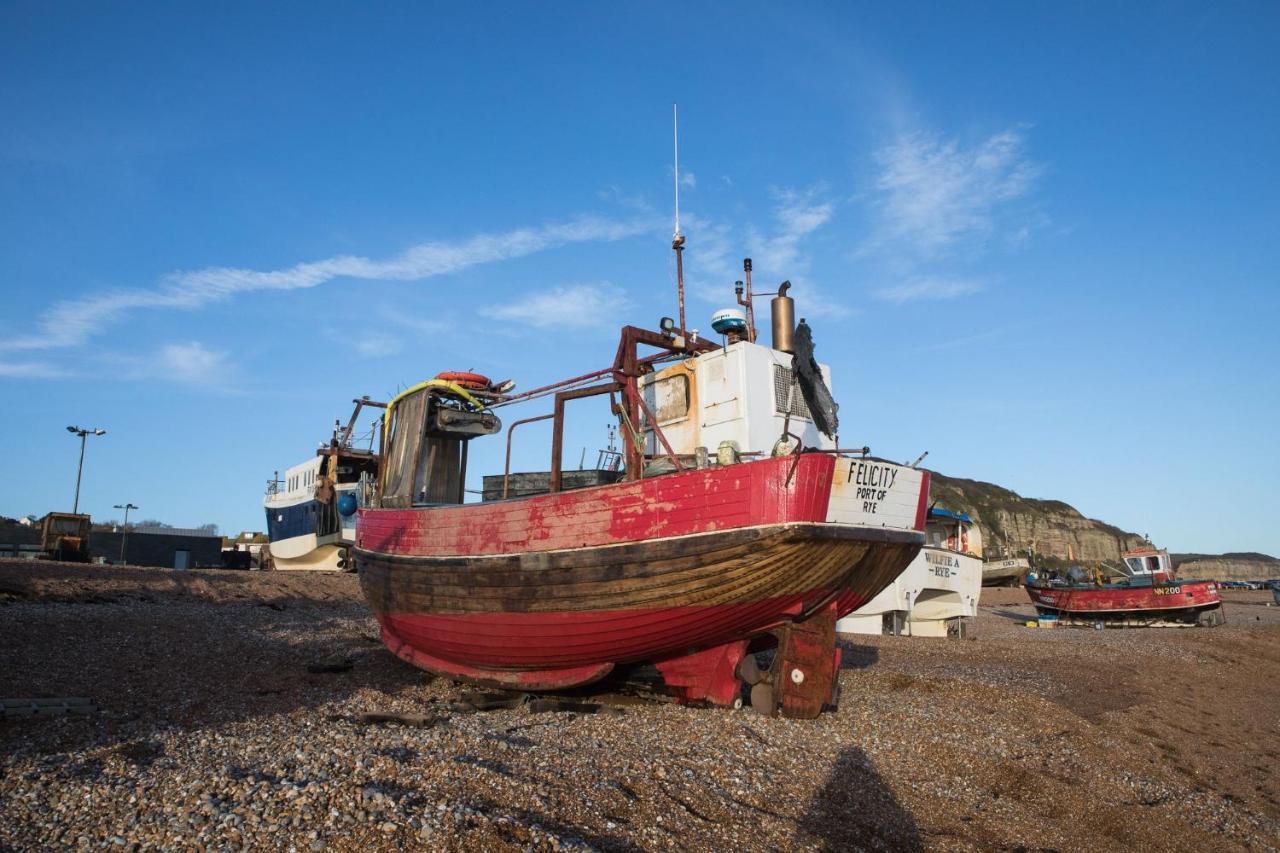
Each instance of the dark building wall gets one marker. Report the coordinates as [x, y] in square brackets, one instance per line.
[157, 549]
[19, 534]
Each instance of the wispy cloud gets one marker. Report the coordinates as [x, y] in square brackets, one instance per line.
[778, 251]
[688, 179]
[577, 305]
[29, 370]
[783, 253]
[796, 216]
[929, 289]
[395, 329]
[184, 363]
[939, 205]
[412, 322]
[379, 347]
[710, 264]
[74, 321]
[192, 363]
[934, 193]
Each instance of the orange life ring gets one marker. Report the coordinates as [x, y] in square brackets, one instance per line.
[471, 381]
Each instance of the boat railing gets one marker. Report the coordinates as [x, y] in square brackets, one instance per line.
[506, 471]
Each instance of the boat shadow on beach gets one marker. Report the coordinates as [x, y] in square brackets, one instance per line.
[856, 810]
[856, 655]
[1014, 615]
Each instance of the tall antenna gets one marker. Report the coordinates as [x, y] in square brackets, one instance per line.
[677, 239]
[675, 137]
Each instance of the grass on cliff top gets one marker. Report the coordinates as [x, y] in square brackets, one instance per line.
[1242, 556]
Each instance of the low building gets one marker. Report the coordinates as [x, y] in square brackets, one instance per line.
[165, 547]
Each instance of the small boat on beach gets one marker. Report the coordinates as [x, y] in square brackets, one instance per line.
[1005, 572]
[1147, 595]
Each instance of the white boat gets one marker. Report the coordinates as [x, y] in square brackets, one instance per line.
[311, 513]
[937, 592]
[1007, 572]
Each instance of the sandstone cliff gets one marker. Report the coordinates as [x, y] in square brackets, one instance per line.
[1227, 567]
[1011, 523]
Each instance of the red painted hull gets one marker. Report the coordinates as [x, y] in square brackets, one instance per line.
[554, 590]
[745, 495]
[1164, 598]
[569, 639]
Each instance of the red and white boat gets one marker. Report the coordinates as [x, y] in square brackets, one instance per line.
[1147, 595]
[738, 525]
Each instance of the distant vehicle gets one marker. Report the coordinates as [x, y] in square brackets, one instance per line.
[237, 560]
[64, 536]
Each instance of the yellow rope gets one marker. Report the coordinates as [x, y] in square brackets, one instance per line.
[451, 387]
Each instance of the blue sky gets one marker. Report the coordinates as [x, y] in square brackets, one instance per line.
[1037, 241]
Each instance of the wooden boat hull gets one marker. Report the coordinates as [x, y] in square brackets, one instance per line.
[1162, 600]
[554, 591]
[565, 610]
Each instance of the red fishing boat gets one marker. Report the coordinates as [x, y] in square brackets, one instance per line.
[736, 524]
[1148, 594]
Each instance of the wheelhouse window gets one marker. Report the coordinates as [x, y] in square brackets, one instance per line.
[668, 399]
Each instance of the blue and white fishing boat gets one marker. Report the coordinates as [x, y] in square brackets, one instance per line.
[311, 512]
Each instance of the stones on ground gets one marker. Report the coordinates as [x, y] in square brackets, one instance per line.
[1005, 741]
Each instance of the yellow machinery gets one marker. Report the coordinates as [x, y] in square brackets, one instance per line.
[65, 536]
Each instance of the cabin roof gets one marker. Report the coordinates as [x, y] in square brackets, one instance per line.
[947, 513]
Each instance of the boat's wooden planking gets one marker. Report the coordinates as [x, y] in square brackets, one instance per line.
[630, 602]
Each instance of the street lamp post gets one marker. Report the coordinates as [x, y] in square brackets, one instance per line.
[124, 542]
[82, 432]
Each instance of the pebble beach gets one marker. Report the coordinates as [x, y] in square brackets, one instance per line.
[231, 710]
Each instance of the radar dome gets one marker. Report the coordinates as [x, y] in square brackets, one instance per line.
[728, 320]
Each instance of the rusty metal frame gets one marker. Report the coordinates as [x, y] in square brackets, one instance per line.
[345, 438]
[507, 399]
[657, 431]
[628, 367]
[557, 428]
[506, 469]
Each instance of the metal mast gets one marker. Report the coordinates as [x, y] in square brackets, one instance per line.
[677, 239]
